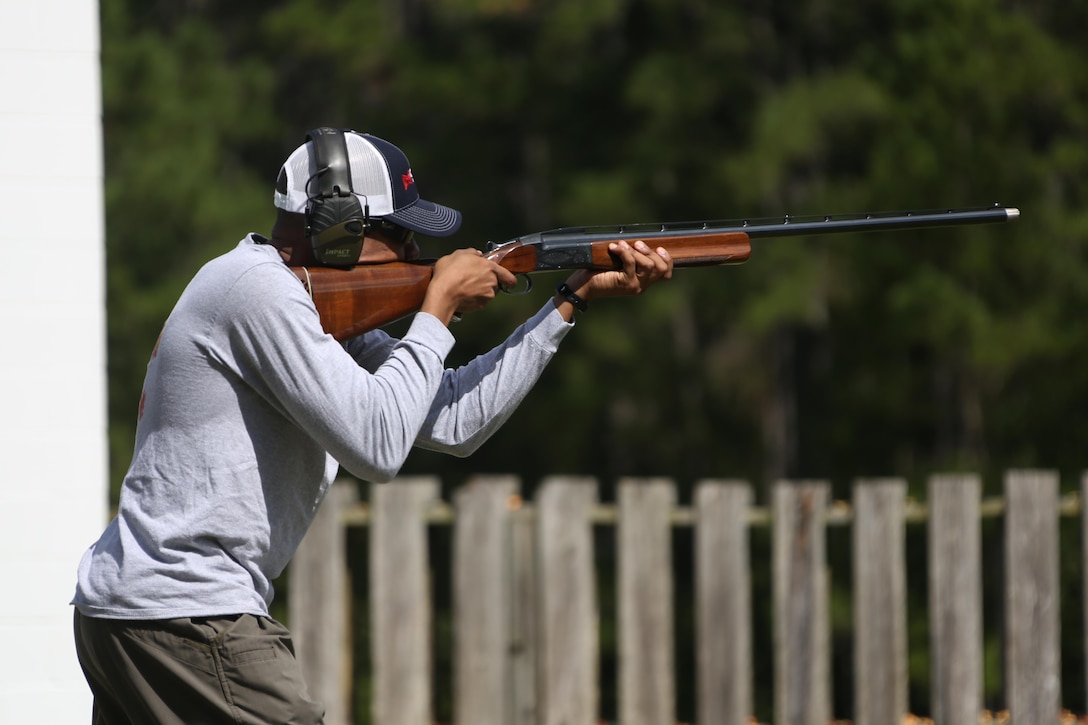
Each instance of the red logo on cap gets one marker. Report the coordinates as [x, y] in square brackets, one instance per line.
[407, 179]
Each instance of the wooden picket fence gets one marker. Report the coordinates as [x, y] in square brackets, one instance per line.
[526, 605]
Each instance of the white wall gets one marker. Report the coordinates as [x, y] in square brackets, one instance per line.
[53, 467]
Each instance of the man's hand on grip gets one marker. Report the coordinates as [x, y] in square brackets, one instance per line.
[464, 281]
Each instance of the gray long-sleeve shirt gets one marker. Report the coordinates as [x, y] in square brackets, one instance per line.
[248, 410]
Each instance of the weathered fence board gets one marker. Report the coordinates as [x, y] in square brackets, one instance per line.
[400, 602]
[1031, 597]
[481, 601]
[880, 607]
[955, 598]
[723, 609]
[568, 602]
[644, 602]
[319, 594]
[1084, 568]
[802, 686]
[524, 647]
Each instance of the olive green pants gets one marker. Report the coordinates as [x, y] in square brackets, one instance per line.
[236, 669]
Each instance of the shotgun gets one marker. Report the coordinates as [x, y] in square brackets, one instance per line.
[353, 301]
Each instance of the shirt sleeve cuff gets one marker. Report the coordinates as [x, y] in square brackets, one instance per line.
[548, 328]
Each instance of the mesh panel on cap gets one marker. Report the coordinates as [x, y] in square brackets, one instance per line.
[369, 177]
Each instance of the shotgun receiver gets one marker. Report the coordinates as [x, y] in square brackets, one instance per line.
[367, 296]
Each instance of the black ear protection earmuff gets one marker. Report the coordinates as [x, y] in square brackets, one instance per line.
[335, 220]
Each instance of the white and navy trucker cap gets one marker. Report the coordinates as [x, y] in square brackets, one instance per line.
[382, 179]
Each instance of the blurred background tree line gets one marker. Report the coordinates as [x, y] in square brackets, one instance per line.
[831, 357]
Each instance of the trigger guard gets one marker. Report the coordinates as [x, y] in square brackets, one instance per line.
[520, 291]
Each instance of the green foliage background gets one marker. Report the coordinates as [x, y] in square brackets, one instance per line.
[835, 357]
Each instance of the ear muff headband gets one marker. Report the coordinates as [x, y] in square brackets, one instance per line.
[335, 220]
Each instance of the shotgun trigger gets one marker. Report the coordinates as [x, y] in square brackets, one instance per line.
[521, 290]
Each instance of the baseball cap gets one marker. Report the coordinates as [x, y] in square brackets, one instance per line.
[382, 179]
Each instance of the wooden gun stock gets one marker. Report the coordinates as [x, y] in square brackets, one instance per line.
[353, 301]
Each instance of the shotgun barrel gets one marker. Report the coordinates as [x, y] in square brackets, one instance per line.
[788, 226]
